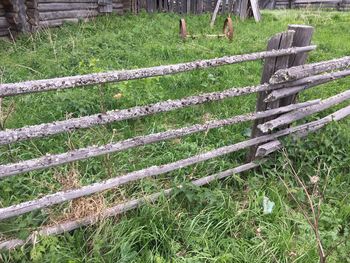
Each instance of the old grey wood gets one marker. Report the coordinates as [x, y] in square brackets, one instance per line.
[93, 151]
[306, 83]
[302, 37]
[63, 196]
[298, 72]
[268, 148]
[301, 113]
[11, 89]
[117, 209]
[271, 65]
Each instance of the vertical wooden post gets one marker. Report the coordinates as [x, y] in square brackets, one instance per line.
[223, 7]
[271, 65]
[216, 10]
[296, 36]
[302, 37]
[171, 6]
[230, 6]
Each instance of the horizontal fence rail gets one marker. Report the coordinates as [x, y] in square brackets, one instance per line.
[132, 204]
[306, 111]
[12, 89]
[303, 71]
[63, 196]
[307, 83]
[43, 130]
[118, 209]
[93, 151]
[46, 129]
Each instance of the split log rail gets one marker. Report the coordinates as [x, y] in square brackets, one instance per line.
[284, 75]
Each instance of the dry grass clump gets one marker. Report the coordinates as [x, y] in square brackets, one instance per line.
[80, 207]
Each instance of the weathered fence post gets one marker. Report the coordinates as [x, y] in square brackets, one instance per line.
[296, 36]
[271, 65]
[302, 37]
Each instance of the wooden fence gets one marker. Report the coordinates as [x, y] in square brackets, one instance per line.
[340, 5]
[20, 16]
[284, 75]
[184, 6]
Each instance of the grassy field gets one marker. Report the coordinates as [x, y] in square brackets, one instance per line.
[223, 222]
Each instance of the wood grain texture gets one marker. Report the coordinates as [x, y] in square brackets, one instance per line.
[271, 65]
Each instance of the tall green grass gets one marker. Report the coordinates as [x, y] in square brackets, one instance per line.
[223, 222]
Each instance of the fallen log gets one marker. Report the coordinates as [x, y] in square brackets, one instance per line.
[303, 71]
[116, 210]
[302, 113]
[11, 89]
[63, 196]
[94, 151]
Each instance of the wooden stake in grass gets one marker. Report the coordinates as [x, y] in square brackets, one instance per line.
[216, 10]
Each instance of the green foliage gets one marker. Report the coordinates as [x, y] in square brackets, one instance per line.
[223, 222]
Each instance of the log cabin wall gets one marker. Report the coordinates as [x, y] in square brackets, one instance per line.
[18, 16]
[4, 25]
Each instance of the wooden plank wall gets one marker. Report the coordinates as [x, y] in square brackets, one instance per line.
[180, 6]
[341, 5]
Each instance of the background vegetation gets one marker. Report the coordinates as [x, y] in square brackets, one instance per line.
[223, 222]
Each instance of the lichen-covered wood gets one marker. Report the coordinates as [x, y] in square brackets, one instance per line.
[117, 209]
[304, 71]
[271, 65]
[11, 89]
[63, 196]
[267, 148]
[93, 151]
[306, 83]
[301, 113]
